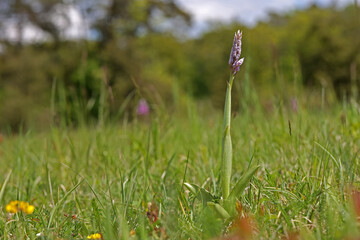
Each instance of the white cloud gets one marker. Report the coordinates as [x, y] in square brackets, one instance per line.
[29, 32]
[249, 12]
[66, 17]
[75, 26]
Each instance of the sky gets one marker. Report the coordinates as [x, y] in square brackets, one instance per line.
[248, 12]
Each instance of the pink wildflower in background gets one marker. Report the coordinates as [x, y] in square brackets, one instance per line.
[143, 108]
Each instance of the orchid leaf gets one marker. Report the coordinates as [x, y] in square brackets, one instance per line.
[219, 210]
[200, 193]
[243, 182]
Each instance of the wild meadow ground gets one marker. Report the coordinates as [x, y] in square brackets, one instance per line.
[125, 180]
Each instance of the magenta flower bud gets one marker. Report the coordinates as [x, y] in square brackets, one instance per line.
[235, 61]
[142, 108]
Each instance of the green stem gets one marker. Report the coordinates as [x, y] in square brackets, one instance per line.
[226, 163]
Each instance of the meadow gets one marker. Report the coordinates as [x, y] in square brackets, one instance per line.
[120, 133]
[125, 180]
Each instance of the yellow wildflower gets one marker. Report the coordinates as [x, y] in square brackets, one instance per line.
[23, 205]
[29, 210]
[95, 236]
[12, 207]
[16, 206]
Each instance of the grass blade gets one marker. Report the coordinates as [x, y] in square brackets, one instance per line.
[4, 185]
[60, 202]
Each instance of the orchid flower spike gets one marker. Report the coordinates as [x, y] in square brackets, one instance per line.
[142, 108]
[235, 61]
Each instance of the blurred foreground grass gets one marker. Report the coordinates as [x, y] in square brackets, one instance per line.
[125, 181]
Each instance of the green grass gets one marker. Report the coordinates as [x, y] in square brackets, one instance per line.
[122, 177]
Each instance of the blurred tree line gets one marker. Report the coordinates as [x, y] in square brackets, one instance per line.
[139, 48]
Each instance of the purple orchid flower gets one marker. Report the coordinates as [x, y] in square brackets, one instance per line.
[142, 108]
[235, 61]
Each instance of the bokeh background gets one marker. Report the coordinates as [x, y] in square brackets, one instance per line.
[74, 62]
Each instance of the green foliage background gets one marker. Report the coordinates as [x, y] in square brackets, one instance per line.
[310, 54]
